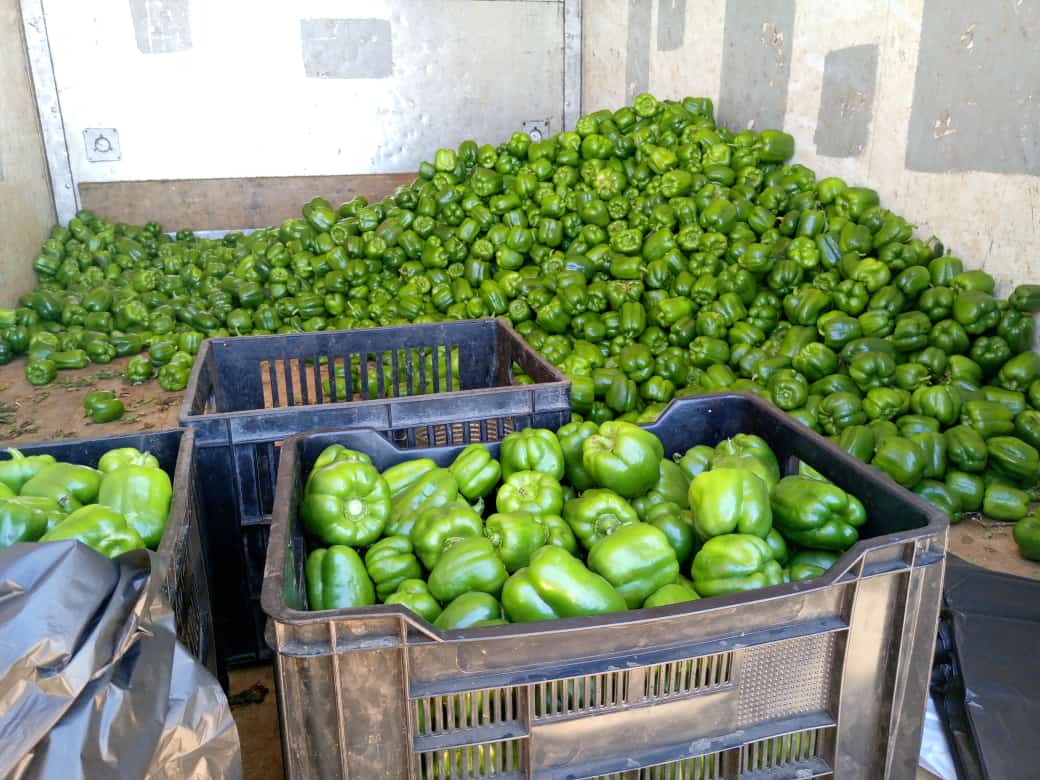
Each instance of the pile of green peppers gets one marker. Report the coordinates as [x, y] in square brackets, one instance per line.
[588, 520]
[119, 506]
[648, 253]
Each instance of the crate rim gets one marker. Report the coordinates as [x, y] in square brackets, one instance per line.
[272, 592]
[185, 417]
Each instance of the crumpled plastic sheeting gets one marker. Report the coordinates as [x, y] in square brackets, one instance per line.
[935, 748]
[93, 683]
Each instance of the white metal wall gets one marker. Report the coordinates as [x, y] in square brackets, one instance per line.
[230, 88]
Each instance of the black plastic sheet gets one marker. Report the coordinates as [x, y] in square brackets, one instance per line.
[93, 683]
[985, 676]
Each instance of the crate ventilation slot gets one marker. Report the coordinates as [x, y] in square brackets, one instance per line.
[577, 695]
[329, 378]
[454, 712]
[678, 678]
[500, 760]
[442, 434]
[707, 767]
[800, 752]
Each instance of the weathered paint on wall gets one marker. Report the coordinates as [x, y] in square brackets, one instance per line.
[846, 100]
[26, 206]
[952, 137]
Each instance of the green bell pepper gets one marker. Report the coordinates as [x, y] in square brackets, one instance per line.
[470, 564]
[673, 593]
[941, 497]
[933, 446]
[126, 456]
[730, 500]
[671, 486]
[872, 369]
[571, 437]
[335, 453]
[623, 457]
[966, 449]
[1003, 502]
[516, 536]
[40, 372]
[405, 474]
[677, 525]
[747, 451]
[988, 418]
[142, 494]
[816, 514]
[1026, 534]
[139, 369]
[557, 585]
[815, 361]
[468, 610]
[886, 403]
[102, 406]
[27, 518]
[415, 595]
[19, 469]
[173, 378]
[839, 411]
[990, 352]
[475, 471]
[1014, 458]
[943, 402]
[532, 449]
[1018, 330]
[900, 458]
[337, 579]
[1027, 427]
[808, 563]
[530, 491]
[597, 513]
[98, 527]
[99, 351]
[636, 559]
[976, 311]
[967, 489]
[694, 461]
[390, 562]
[859, 441]
[1020, 372]
[346, 503]
[439, 526]
[733, 563]
[70, 484]
[420, 485]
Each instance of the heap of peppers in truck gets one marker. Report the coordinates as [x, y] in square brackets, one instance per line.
[119, 506]
[589, 520]
[649, 253]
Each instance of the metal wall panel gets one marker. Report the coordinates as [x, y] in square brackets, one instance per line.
[228, 89]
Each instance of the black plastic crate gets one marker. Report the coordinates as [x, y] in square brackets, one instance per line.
[246, 395]
[820, 678]
[182, 555]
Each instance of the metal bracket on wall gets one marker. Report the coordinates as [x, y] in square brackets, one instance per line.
[537, 129]
[572, 25]
[102, 144]
[52, 126]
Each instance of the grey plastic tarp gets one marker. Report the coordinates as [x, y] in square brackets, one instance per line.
[93, 683]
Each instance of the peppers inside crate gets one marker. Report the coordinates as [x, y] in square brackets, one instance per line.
[803, 678]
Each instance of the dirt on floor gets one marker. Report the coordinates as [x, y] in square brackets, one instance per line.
[34, 414]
